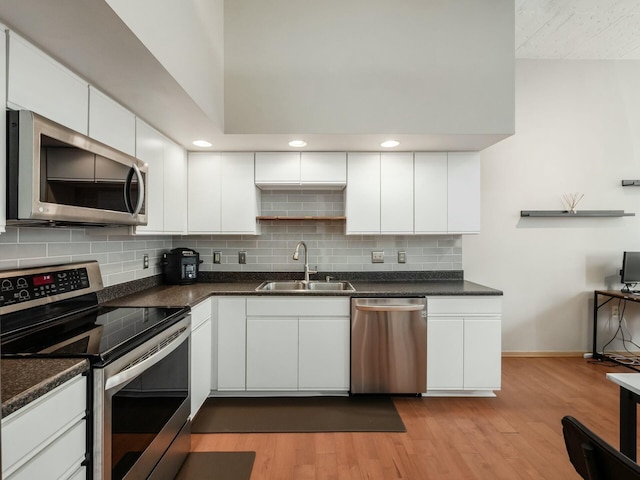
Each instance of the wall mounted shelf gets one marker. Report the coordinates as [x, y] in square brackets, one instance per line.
[300, 217]
[579, 213]
[631, 183]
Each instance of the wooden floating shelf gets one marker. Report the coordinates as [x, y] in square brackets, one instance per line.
[579, 213]
[302, 217]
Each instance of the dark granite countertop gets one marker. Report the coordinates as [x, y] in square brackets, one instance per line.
[26, 379]
[190, 295]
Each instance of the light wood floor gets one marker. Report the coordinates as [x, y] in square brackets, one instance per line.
[517, 435]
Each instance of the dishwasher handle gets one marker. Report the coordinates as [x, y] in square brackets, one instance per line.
[390, 308]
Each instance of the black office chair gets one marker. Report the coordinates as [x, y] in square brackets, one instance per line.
[592, 457]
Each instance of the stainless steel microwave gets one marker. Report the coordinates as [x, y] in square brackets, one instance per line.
[56, 176]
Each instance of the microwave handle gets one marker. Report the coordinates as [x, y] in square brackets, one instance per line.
[127, 189]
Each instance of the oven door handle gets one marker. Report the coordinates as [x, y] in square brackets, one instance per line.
[136, 369]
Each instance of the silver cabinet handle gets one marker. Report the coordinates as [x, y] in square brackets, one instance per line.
[389, 308]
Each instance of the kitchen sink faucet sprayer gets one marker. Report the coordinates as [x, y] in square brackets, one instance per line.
[296, 255]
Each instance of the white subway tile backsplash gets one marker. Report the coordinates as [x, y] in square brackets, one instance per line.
[330, 250]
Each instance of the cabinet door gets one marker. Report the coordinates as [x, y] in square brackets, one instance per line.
[323, 168]
[396, 193]
[323, 351]
[482, 353]
[110, 123]
[430, 193]
[201, 361]
[150, 149]
[175, 188]
[362, 201]
[463, 192]
[279, 168]
[37, 82]
[272, 353]
[231, 341]
[445, 353]
[204, 202]
[239, 195]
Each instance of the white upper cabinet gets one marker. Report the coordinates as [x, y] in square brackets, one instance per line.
[150, 149]
[240, 197]
[328, 169]
[175, 188]
[405, 193]
[277, 169]
[463, 195]
[301, 170]
[396, 193]
[430, 192]
[110, 123]
[37, 82]
[203, 193]
[222, 196]
[166, 202]
[362, 200]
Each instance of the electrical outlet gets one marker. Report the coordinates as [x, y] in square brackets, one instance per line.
[216, 257]
[402, 257]
[145, 261]
[242, 258]
[377, 257]
[614, 313]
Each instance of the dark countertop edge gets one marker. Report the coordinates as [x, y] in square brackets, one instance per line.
[190, 295]
[49, 374]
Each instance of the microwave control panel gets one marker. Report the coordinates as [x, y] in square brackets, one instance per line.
[24, 288]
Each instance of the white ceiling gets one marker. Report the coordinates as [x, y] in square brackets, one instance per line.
[578, 29]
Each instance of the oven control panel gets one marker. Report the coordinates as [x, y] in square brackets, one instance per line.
[27, 287]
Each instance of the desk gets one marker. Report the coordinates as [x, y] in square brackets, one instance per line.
[608, 295]
[629, 397]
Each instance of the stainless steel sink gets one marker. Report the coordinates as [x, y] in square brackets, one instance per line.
[300, 286]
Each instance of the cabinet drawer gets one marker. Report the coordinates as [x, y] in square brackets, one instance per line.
[31, 428]
[298, 307]
[59, 460]
[200, 313]
[464, 305]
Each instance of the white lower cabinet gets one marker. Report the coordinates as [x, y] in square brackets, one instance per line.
[47, 438]
[464, 345]
[282, 344]
[201, 354]
[272, 353]
[230, 327]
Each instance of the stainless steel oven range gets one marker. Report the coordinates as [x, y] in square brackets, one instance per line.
[139, 357]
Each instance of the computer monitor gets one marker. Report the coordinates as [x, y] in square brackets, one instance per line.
[630, 272]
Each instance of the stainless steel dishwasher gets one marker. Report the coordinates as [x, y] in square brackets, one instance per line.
[388, 345]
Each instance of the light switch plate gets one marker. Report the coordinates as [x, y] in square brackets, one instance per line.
[377, 257]
[216, 257]
[242, 257]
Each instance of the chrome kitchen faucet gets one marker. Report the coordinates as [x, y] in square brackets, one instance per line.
[296, 255]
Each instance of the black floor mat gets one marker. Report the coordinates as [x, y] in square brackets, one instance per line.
[298, 414]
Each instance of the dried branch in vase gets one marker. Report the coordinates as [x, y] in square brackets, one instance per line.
[571, 200]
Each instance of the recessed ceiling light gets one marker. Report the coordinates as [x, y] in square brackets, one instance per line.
[297, 143]
[390, 144]
[202, 143]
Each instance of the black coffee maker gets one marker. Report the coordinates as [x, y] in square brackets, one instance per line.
[180, 266]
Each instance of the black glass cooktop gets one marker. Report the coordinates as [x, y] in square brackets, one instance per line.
[97, 333]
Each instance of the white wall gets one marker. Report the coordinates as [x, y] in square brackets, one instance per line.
[577, 130]
[369, 66]
[186, 36]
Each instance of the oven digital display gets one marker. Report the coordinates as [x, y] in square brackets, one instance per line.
[40, 280]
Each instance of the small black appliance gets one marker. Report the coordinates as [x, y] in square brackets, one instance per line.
[181, 266]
